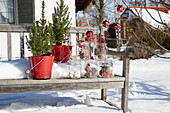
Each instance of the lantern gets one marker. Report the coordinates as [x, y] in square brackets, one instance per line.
[117, 26]
[105, 23]
[89, 33]
[120, 8]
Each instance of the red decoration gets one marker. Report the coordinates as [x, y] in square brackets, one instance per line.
[81, 43]
[89, 33]
[120, 8]
[105, 23]
[94, 38]
[87, 39]
[90, 38]
[87, 57]
[117, 26]
[101, 40]
[107, 35]
[106, 75]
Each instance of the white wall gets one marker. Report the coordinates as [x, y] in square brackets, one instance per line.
[49, 9]
[3, 46]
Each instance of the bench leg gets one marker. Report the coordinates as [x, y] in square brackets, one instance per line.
[125, 90]
[104, 94]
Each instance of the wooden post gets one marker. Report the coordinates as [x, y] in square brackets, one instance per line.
[125, 90]
[22, 44]
[9, 45]
[104, 95]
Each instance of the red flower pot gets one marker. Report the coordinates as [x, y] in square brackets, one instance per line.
[62, 53]
[41, 66]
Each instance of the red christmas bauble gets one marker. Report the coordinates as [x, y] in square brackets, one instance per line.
[105, 23]
[117, 26]
[120, 8]
[91, 39]
[94, 38]
[89, 33]
[81, 43]
[87, 39]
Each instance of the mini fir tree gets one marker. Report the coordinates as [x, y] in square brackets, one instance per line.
[61, 23]
[41, 36]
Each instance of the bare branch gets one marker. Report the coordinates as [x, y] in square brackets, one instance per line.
[161, 2]
[155, 40]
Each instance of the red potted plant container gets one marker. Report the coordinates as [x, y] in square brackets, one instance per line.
[40, 44]
[61, 26]
[41, 66]
[62, 53]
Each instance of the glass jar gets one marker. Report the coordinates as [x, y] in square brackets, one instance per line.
[105, 68]
[100, 51]
[74, 68]
[89, 69]
[84, 52]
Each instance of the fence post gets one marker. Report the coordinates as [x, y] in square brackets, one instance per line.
[22, 53]
[9, 45]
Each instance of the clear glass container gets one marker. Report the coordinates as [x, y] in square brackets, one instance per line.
[105, 68]
[84, 52]
[74, 68]
[100, 51]
[89, 69]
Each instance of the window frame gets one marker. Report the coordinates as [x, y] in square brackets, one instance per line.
[14, 13]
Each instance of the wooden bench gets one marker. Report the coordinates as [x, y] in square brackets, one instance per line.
[30, 85]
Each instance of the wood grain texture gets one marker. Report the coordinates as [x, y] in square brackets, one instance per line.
[27, 27]
[125, 89]
[9, 45]
[104, 95]
[14, 86]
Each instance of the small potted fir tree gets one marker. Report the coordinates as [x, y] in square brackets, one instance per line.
[61, 26]
[40, 43]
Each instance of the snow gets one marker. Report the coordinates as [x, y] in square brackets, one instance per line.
[149, 91]
[147, 18]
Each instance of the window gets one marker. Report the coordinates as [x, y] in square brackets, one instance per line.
[25, 11]
[6, 11]
[16, 11]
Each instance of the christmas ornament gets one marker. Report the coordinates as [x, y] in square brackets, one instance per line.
[89, 33]
[94, 38]
[101, 40]
[117, 26]
[107, 35]
[81, 43]
[87, 39]
[91, 39]
[105, 23]
[120, 8]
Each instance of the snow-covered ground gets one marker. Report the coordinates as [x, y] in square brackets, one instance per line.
[149, 91]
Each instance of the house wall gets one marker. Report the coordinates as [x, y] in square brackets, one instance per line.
[49, 9]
